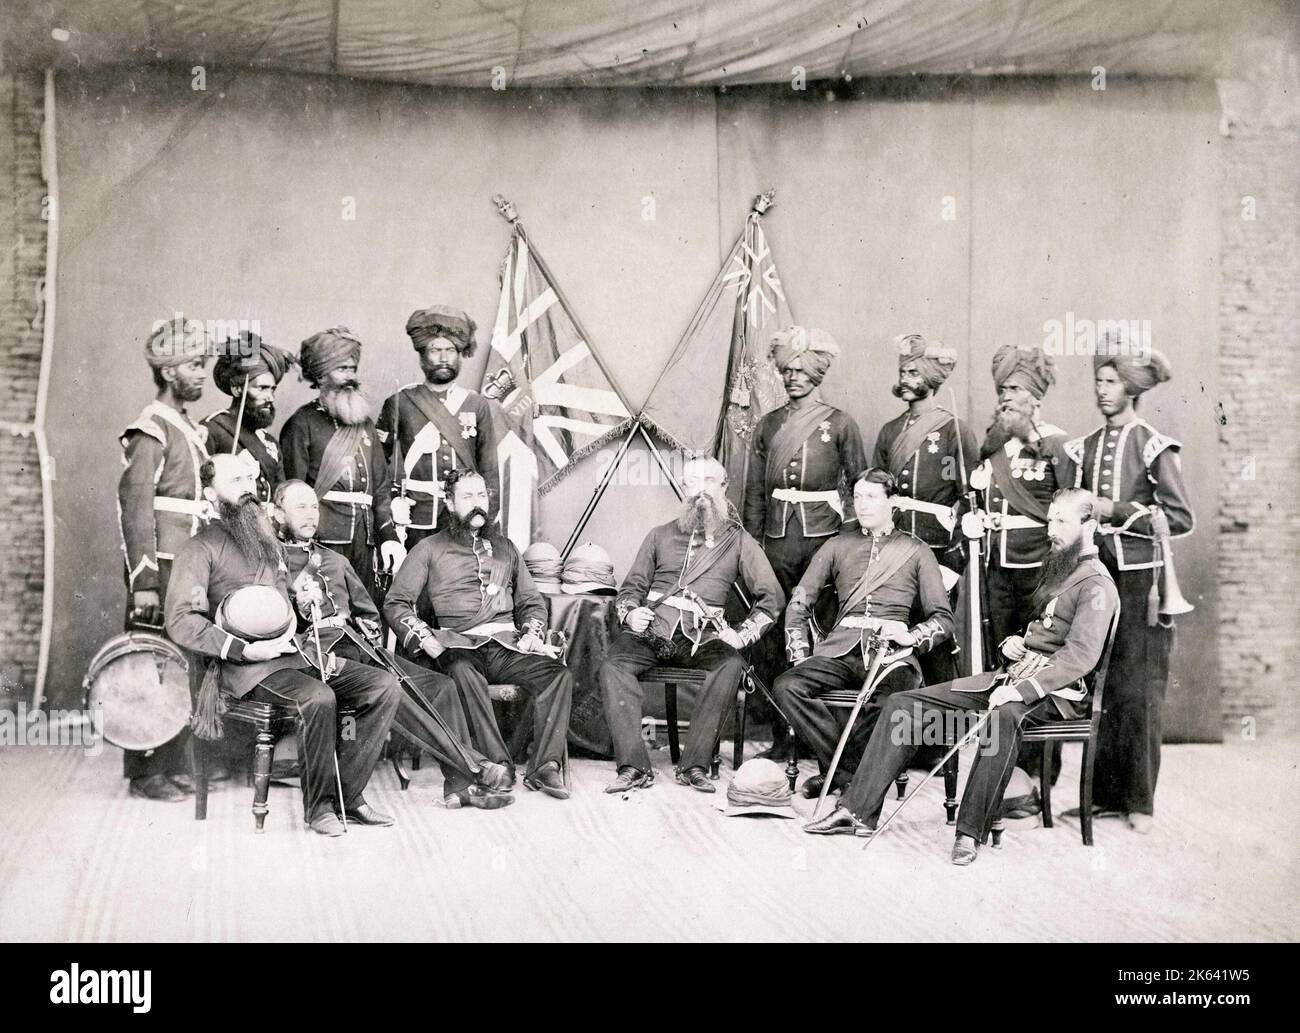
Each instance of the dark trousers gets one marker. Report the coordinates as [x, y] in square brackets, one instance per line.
[799, 692]
[1128, 747]
[361, 554]
[414, 723]
[629, 657]
[547, 681]
[373, 695]
[902, 728]
[173, 756]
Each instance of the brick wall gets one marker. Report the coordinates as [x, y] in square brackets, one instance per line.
[1259, 519]
[22, 268]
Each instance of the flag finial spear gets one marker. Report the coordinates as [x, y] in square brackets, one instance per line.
[764, 201]
[506, 208]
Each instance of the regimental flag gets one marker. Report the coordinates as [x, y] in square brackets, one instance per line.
[724, 356]
[558, 403]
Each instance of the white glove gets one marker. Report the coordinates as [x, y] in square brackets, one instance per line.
[732, 638]
[1003, 694]
[401, 510]
[392, 554]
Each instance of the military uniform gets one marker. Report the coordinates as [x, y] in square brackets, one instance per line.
[888, 577]
[347, 605]
[355, 510]
[1137, 468]
[261, 444]
[684, 579]
[428, 433]
[1064, 642]
[473, 597]
[160, 507]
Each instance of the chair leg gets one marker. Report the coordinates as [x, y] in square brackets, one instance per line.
[792, 764]
[900, 784]
[670, 715]
[738, 747]
[403, 776]
[997, 833]
[262, 776]
[199, 769]
[415, 761]
[950, 789]
[1085, 793]
[1045, 781]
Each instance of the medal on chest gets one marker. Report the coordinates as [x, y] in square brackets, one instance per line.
[468, 425]
[826, 430]
[932, 440]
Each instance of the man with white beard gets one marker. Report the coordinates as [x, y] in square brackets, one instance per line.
[670, 607]
[332, 444]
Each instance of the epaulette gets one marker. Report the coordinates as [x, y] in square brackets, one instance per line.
[1156, 444]
[146, 424]
[1074, 448]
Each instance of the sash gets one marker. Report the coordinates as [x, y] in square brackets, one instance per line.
[909, 441]
[440, 416]
[896, 551]
[790, 438]
[339, 451]
[707, 559]
[248, 438]
[1014, 491]
[492, 606]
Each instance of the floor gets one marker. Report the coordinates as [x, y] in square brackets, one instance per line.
[81, 860]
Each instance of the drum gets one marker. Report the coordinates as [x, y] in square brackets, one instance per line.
[140, 684]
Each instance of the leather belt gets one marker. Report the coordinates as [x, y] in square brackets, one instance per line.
[489, 629]
[796, 495]
[354, 498]
[434, 488]
[943, 514]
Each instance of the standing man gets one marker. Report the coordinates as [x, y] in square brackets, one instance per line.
[465, 600]
[349, 626]
[239, 550]
[1041, 680]
[160, 507]
[880, 576]
[670, 607]
[1135, 472]
[249, 370]
[332, 444]
[432, 428]
[801, 456]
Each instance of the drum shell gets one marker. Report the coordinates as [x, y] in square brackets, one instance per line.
[138, 687]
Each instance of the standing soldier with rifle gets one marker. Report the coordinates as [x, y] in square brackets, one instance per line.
[1134, 471]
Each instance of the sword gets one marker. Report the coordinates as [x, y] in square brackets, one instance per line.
[967, 738]
[875, 641]
[325, 678]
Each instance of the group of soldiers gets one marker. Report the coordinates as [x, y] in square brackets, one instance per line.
[848, 554]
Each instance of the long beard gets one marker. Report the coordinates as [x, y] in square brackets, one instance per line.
[250, 527]
[347, 405]
[703, 514]
[461, 529]
[1058, 564]
[256, 417]
[1007, 424]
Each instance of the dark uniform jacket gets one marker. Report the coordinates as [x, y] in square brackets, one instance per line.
[1136, 467]
[826, 460]
[447, 586]
[670, 560]
[936, 471]
[422, 451]
[344, 597]
[1070, 631]
[261, 444]
[159, 497]
[1017, 489]
[911, 582]
[206, 570]
[344, 508]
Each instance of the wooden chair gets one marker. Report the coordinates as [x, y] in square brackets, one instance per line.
[270, 722]
[1083, 730]
[670, 678]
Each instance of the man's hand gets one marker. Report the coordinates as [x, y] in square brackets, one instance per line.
[401, 511]
[307, 592]
[972, 525]
[1002, 695]
[639, 619]
[732, 638]
[896, 631]
[146, 607]
[1013, 647]
[530, 643]
[269, 649]
[392, 554]
[432, 647]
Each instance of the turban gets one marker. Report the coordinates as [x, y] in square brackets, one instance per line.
[176, 342]
[934, 360]
[441, 321]
[326, 351]
[1023, 365]
[1139, 372]
[812, 349]
[588, 569]
[249, 356]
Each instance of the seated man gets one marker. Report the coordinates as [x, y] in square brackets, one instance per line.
[1042, 680]
[349, 627]
[240, 549]
[880, 576]
[670, 607]
[460, 600]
